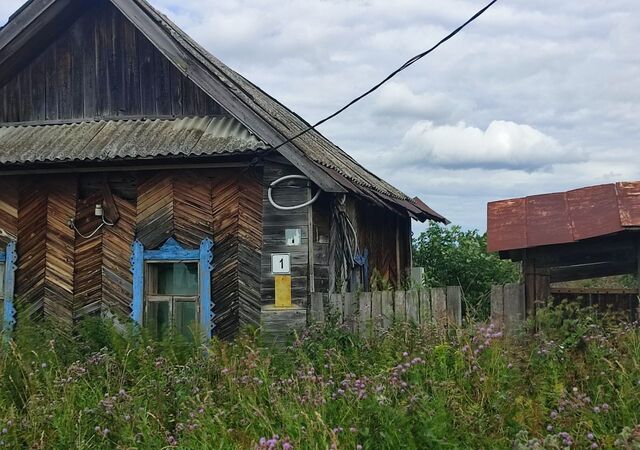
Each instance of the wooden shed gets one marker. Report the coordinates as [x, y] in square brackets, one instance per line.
[558, 237]
[135, 176]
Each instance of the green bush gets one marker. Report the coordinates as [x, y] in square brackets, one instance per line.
[574, 383]
[453, 257]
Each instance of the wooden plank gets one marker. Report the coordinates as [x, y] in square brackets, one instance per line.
[400, 307]
[387, 309]
[514, 306]
[413, 307]
[317, 308]
[497, 305]
[376, 309]
[365, 322]
[350, 311]
[336, 307]
[454, 305]
[439, 305]
[425, 306]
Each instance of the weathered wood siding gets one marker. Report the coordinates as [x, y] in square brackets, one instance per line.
[100, 66]
[8, 211]
[65, 277]
[237, 212]
[274, 224]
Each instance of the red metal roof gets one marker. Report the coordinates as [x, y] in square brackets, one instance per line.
[562, 217]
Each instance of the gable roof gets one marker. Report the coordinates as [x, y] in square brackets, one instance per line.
[324, 163]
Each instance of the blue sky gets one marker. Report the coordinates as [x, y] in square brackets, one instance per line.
[536, 96]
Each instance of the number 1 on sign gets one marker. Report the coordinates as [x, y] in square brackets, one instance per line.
[281, 263]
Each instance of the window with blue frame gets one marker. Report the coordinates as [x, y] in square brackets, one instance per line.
[7, 283]
[172, 289]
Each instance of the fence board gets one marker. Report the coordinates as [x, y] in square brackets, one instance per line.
[350, 309]
[400, 309]
[365, 313]
[317, 308]
[387, 309]
[454, 305]
[497, 305]
[514, 306]
[376, 309]
[413, 307]
[336, 307]
[425, 306]
[439, 304]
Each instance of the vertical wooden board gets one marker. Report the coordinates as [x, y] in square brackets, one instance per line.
[115, 63]
[400, 306]
[376, 309]
[497, 305]
[350, 310]
[454, 305]
[103, 52]
[316, 308]
[76, 81]
[514, 306]
[387, 309]
[162, 84]
[130, 69]
[38, 90]
[425, 306]
[89, 64]
[148, 81]
[24, 106]
[365, 322]
[64, 69]
[413, 307]
[439, 304]
[336, 306]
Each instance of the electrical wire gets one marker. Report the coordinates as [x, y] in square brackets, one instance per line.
[405, 66]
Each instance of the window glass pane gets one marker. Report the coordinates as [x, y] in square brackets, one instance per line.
[158, 314]
[1, 280]
[176, 279]
[186, 318]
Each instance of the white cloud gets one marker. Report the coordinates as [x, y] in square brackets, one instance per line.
[503, 144]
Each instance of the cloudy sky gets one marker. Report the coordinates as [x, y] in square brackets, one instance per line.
[535, 96]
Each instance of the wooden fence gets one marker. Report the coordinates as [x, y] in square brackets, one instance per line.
[379, 310]
[508, 302]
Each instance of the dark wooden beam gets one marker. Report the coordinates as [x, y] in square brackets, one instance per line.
[586, 271]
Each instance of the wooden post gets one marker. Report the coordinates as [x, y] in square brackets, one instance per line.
[515, 308]
[537, 286]
[350, 308]
[336, 306]
[454, 305]
[316, 310]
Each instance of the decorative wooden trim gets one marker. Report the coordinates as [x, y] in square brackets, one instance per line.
[206, 302]
[10, 257]
[171, 250]
[137, 268]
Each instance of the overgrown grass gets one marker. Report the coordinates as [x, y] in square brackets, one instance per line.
[574, 384]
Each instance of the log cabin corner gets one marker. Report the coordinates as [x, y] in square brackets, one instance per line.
[137, 178]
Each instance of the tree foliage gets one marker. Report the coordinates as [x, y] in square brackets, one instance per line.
[454, 257]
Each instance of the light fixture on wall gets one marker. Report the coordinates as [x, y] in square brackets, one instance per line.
[98, 212]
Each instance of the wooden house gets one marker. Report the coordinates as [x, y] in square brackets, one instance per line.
[136, 171]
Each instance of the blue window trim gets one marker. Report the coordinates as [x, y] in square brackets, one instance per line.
[9, 257]
[171, 250]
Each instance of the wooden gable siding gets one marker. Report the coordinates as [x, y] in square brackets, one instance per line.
[101, 66]
[274, 224]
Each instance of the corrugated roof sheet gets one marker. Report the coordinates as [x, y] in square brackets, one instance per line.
[562, 217]
[114, 139]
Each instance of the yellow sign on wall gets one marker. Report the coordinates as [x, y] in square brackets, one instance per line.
[283, 291]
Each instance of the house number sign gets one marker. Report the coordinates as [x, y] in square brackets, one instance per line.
[281, 263]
